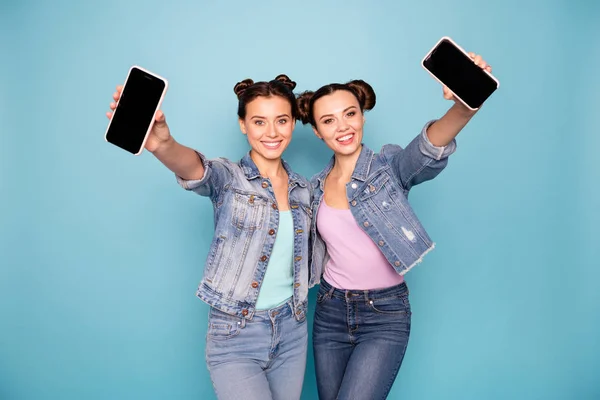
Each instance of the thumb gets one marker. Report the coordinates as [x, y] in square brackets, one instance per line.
[447, 93]
[160, 118]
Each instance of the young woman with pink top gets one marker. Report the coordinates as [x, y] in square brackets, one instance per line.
[365, 237]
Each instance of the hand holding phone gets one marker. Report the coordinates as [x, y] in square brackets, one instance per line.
[466, 77]
[136, 121]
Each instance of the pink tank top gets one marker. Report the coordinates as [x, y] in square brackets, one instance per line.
[355, 261]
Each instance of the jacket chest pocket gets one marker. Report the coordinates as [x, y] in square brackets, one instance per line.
[248, 211]
[372, 190]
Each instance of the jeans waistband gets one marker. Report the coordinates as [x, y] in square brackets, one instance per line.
[287, 307]
[360, 295]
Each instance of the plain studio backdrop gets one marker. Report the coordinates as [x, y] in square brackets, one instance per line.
[101, 251]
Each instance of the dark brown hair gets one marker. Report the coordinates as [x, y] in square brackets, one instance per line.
[248, 90]
[363, 92]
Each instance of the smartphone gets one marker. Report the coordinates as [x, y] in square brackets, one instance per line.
[133, 118]
[450, 65]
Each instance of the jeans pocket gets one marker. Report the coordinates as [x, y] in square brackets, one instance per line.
[322, 296]
[222, 326]
[391, 305]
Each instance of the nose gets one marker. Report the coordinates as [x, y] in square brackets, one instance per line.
[342, 125]
[272, 132]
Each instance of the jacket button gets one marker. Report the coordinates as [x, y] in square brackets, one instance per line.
[353, 202]
[271, 232]
[298, 312]
[298, 258]
[299, 231]
[366, 223]
[274, 206]
[265, 184]
[263, 258]
[397, 263]
[354, 186]
[244, 312]
[297, 285]
[381, 243]
[254, 285]
[371, 188]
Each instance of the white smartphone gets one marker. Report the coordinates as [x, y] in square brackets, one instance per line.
[133, 118]
[451, 66]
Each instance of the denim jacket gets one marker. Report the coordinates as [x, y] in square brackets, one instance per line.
[246, 220]
[378, 199]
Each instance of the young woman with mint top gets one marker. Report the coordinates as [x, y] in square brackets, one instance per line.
[256, 272]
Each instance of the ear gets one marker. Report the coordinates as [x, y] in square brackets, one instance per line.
[317, 133]
[242, 125]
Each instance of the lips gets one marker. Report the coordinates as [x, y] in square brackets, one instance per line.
[346, 139]
[272, 145]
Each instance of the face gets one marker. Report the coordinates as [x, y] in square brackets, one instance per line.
[339, 122]
[268, 125]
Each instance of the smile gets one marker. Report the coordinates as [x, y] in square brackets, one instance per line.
[272, 145]
[346, 139]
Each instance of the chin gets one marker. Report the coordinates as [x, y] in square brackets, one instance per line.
[347, 150]
[270, 154]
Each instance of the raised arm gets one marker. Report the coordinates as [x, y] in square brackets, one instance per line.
[181, 160]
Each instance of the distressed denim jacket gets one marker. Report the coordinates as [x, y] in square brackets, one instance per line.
[378, 199]
[246, 219]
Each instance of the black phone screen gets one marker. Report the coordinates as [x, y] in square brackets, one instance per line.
[462, 76]
[135, 110]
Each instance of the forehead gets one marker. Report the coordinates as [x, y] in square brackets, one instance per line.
[335, 102]
[268, 106]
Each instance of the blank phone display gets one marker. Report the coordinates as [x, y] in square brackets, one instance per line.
[135, 110]
[462, 76]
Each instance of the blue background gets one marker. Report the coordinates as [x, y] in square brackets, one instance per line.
[101, 251]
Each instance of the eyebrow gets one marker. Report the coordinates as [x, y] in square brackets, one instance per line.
[261, 117]
[331, 115]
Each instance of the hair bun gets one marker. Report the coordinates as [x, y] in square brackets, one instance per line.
[304, 106]
[365, 93]
[286, 81]
[240, 87]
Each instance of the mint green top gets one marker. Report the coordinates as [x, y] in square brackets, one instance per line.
[278, 282]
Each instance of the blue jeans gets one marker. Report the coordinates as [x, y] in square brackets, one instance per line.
[262, 358]
[359, 340]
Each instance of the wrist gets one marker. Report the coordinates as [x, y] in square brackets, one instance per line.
[460, 110]
[164, 146]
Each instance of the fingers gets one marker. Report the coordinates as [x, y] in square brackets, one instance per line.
[113, 105]
[160, 116]
[479, 61]
[117, 94]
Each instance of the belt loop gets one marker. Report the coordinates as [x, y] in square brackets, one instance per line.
[330, 293]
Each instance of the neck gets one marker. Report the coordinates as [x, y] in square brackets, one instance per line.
[344, 164]
[268, 168]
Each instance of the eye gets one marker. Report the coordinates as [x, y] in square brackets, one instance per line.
[259, 122]
[328, 121]
[351, 113]
[283, 121]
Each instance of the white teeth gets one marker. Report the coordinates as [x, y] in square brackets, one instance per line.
[344, 138]
[273, 145]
